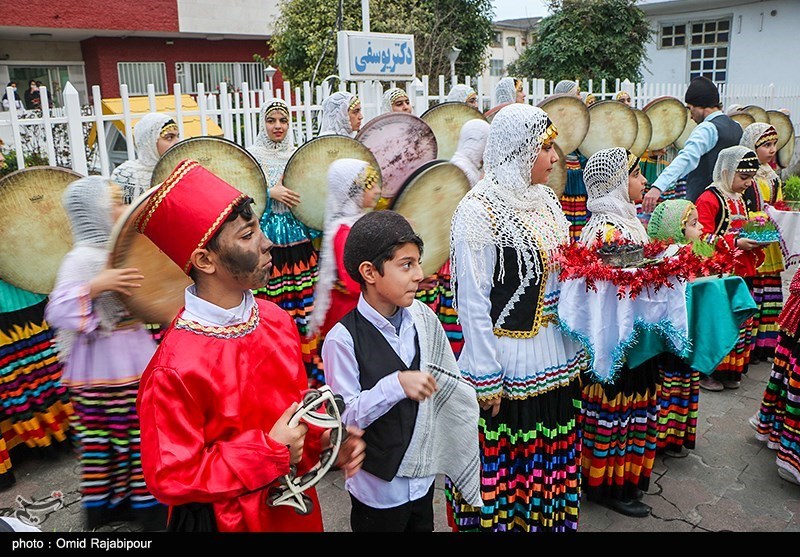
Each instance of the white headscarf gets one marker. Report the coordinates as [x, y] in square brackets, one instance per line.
[270, 155]
[460, 93]
[87, 202]
[506, 91]
[471, 144]
[344, 205]
[504, 209]
[750, 137]
[725, 169]
[134, 176]
[389, 97]
[336, 115]
[606, 179]
[565, 86]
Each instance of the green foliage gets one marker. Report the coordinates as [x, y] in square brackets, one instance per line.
[791, 189]
[307, 28]
[587, 39]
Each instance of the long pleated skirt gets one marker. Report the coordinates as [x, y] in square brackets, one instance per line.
[768, 295]
[619, 423]
[678, 396]
[446, 312]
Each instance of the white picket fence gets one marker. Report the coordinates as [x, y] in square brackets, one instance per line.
[237, 113]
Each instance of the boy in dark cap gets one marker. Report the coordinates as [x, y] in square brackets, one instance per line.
[715, 131]
[391, 362]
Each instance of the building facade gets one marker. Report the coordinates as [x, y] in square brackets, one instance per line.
[511, 38]
[149, 41]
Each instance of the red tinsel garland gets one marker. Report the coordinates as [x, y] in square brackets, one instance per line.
[579, 261]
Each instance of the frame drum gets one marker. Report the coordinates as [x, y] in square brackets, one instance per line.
[161, 295]
[446, 120]
[644, 134]
[36, 229]
[306, 173]
[571, 118]
[428, 200]
[742, 118]
[783, 125]
[401, 143]
[668, 118]
[224, 158]
[758, 113]
[489, 114]
[557, 180]
[611, 124]
[784, 156]
[680, 143]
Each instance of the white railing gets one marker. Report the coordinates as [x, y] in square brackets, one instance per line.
[51, 131]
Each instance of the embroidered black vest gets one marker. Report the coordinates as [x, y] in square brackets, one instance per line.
[388, 437]
[524, 317]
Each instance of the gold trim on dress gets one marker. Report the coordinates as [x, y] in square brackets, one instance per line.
[233, 331]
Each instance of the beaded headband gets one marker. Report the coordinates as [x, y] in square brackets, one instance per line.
[550, 133]
[397, 94]
[370, 178]
[169, 127]
[353, 103]
[633, 162]
[770, 134]
[280, 106]
[748, 163]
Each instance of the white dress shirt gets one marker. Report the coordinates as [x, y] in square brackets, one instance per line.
[363, 407]
[211, 315]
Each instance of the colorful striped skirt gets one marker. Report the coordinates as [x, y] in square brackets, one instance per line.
[34, 405]
[291, 286]
[619, 423]
[787, 365]
[105, 427]
[446, 312]
[678, 395]
[530, 467]
[768, 294]
[573, 200]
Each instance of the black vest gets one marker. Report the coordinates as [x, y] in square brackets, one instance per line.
[388, 437]
[700, 178]
[522, 317]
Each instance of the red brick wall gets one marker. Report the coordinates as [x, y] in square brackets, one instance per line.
[141, 15]
[101, 55]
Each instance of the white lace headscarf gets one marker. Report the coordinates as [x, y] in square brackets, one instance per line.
[134, 176]
[344, 205]
[506, 91]
[87, 202]
[471, 145]
[336, 115]
[725, 169]
[566, 86]
[389, 97]
[606, 179]
[504, 209]
[750, 137]
[460, 93]
[271, 155]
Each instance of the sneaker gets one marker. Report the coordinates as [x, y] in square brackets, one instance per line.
[788, 476]
[711, 384]
[730, 384]
[753, 421]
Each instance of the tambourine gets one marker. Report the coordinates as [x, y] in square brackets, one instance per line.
[289, 489]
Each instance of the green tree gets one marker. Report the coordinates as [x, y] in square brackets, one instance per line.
[305, 33]
[587, 39]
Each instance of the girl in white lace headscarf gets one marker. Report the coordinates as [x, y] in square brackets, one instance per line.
[152, 136]
[353, 189]
[471, 144]
[339, 113]
[508, 90]
[295, 266]
[104, 351]
[463, 94]
[566, 86]
[607, 176]
[524, 370]
[395, 95]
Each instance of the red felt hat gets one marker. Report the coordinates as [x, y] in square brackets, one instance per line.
[186, 210]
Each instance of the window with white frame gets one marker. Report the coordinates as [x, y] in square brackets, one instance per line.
[211, 74]
[495, 67]
[138, 75]
[708, 50]
[511, 41]
[673, 35]
[497, 40]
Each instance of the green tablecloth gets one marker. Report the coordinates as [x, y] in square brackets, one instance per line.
[15, 299]
[716, 309]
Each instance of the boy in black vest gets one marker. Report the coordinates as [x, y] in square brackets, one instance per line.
[373, 358]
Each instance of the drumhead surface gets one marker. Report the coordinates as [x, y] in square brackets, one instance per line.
[611, 124]
[742, 118]
[571, 118]
[223, 157]
[446, 121]
[400, 142]
[161, 294]
[558, 176]
[428, 200]
[784, 156]
[668, 118]
[644, 133]
[757, 112]
[36, 230]
[783, 125]
[306, 173]
[690, 125]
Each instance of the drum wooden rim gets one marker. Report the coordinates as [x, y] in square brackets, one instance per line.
[680, 142]
[36, 228]
[446, 120]
[644, 133]
[492, 112]
[784, 156]
[783, 125]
